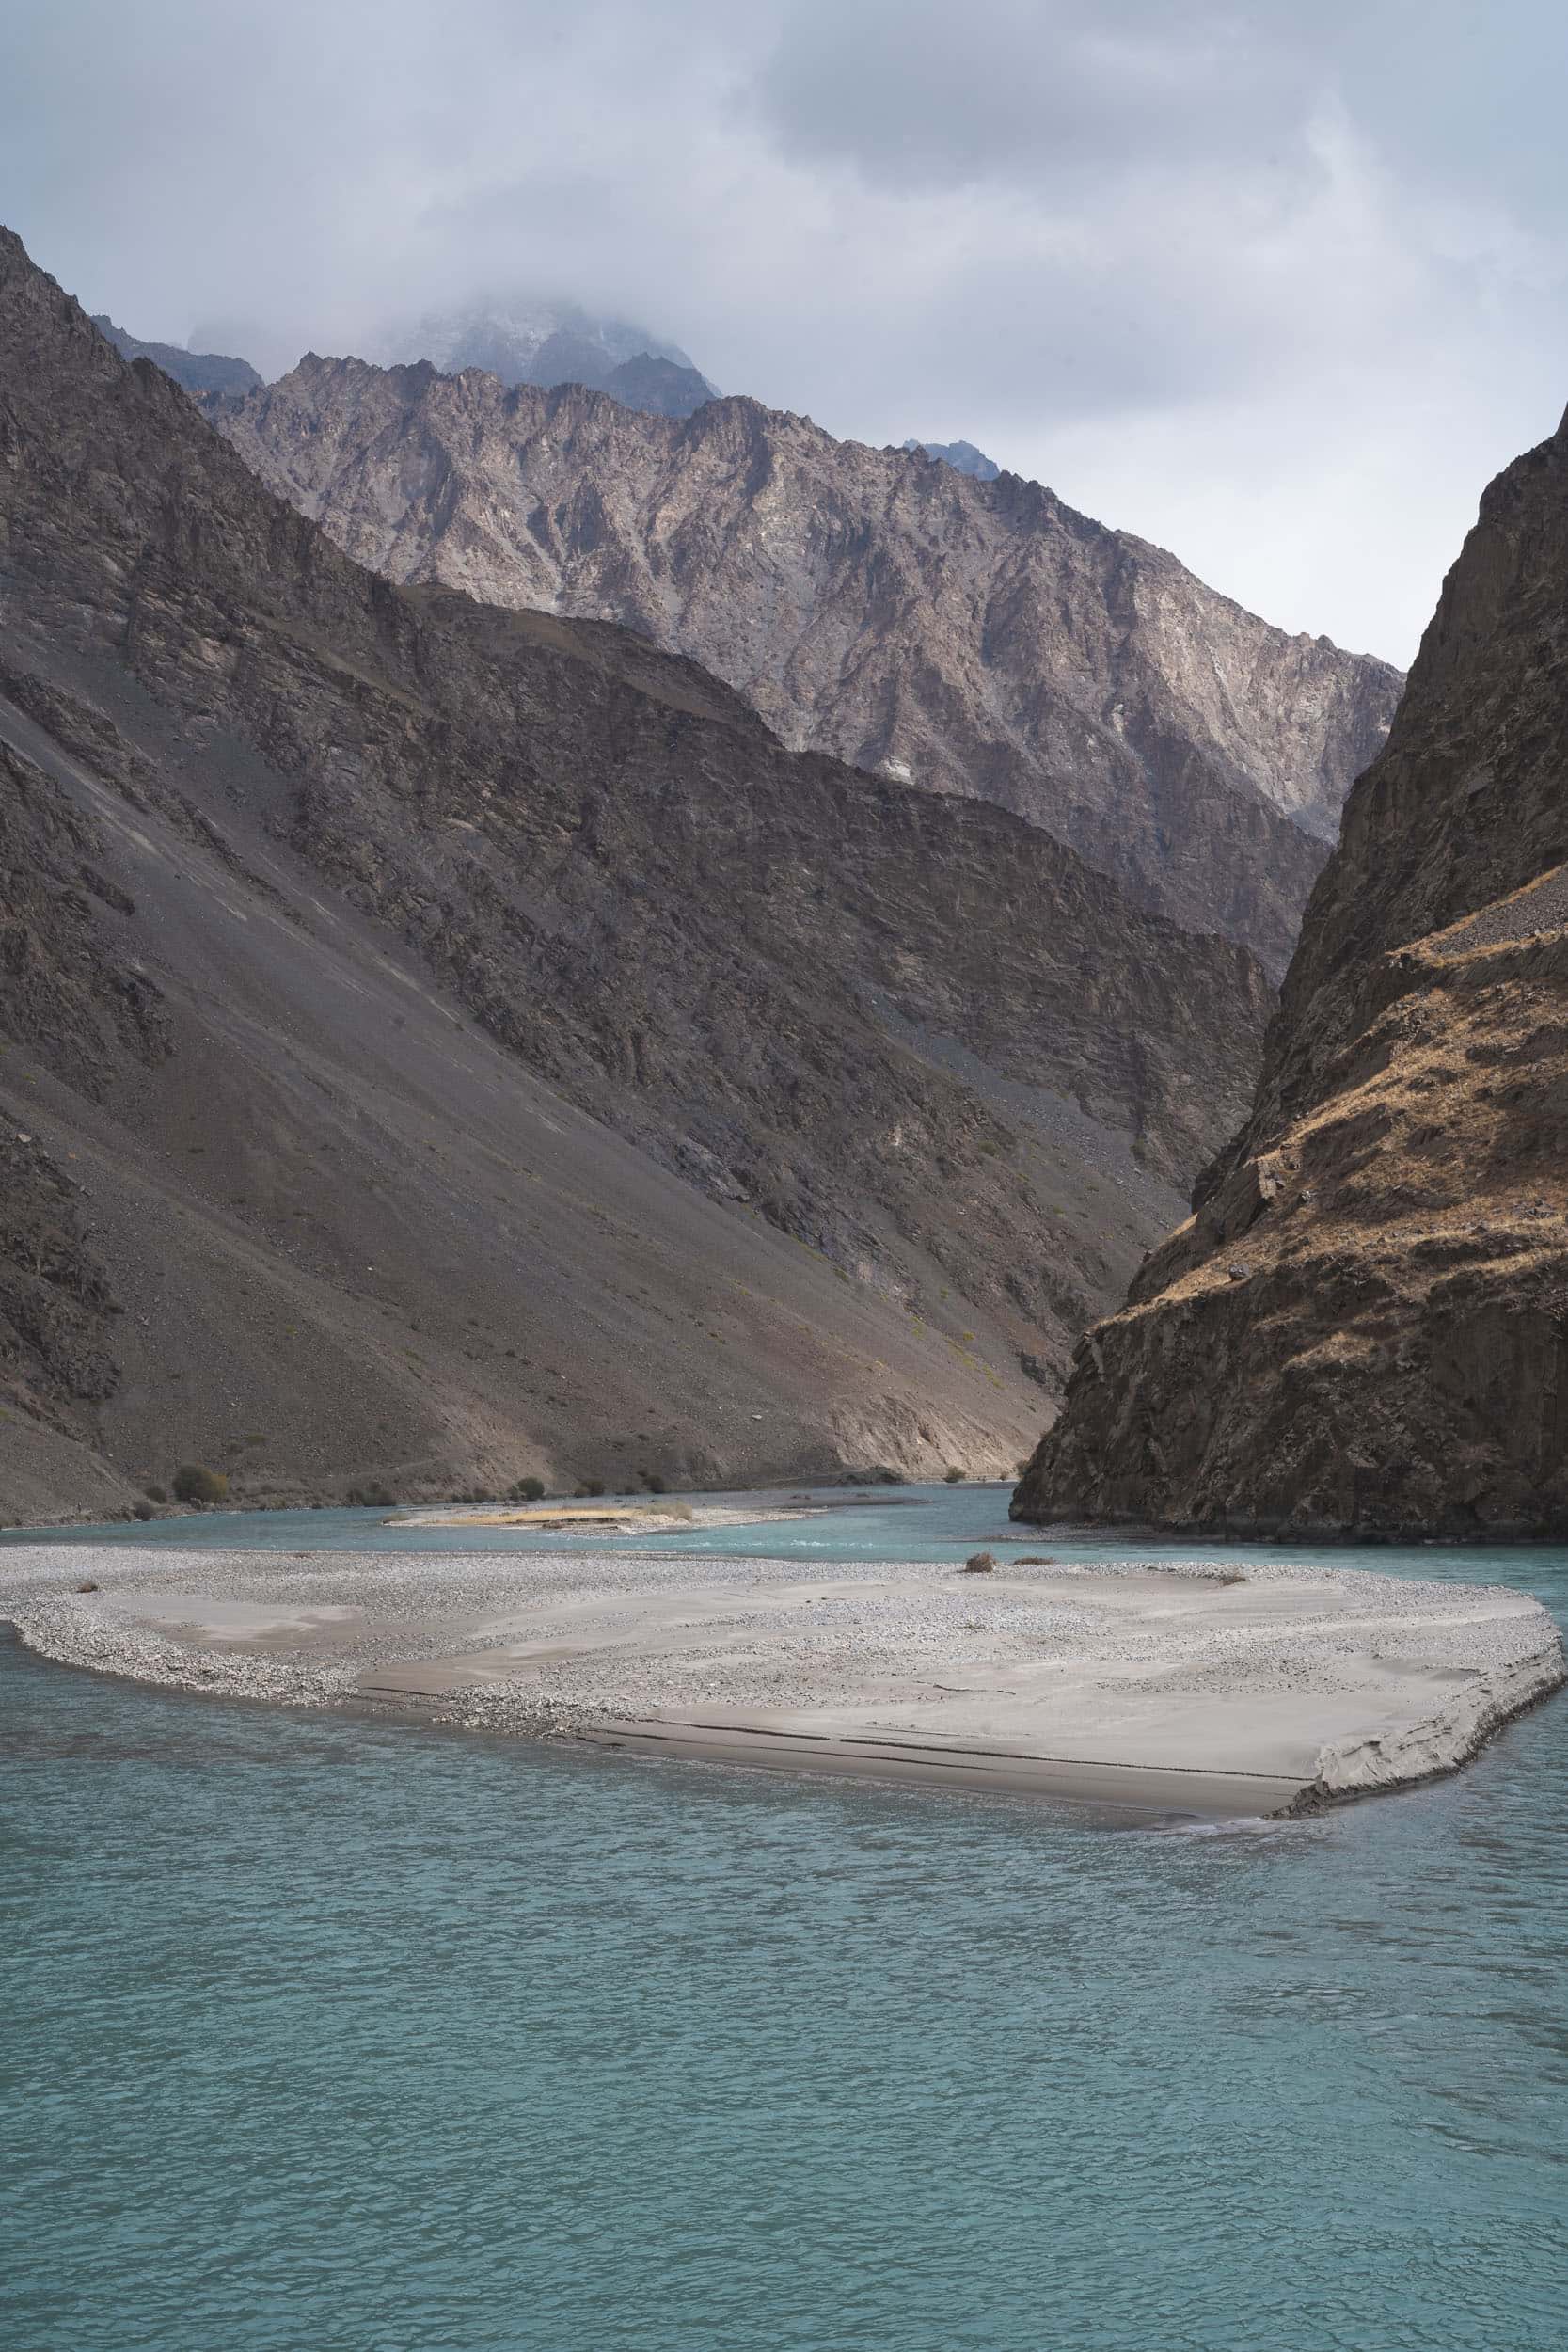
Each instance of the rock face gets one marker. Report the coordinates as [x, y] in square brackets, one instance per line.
[480, 1048]
[200, 371]
[968, 636]
[1364, 1327]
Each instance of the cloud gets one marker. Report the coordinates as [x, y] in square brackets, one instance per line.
[1279, 288]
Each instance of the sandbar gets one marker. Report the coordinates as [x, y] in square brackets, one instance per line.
[1163, 1684]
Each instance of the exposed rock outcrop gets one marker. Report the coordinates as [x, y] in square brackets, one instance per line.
[1364, 1328]
[487, 1050]
[965, 635]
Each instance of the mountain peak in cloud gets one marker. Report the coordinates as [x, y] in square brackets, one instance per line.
[527, 341]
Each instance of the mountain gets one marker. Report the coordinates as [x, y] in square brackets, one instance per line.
[962, 457]
[1363, 1329]
[971, 637]
[548, 343]
[658, 385]
[198, 370]
[446, 1044]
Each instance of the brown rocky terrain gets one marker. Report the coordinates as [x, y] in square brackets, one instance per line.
[1364, 1328]
[970, 636]
[453, 1043]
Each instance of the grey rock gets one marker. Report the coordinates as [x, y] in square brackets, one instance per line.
[969, 637]
[200, 373]
[458, 975]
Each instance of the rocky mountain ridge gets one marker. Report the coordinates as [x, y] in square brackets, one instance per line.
[969, 636]
[478, 1047]
[547, 343]
[200, 371]
[962, 455]
[1363, 1329]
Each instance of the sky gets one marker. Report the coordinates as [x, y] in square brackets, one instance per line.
[1279, 286]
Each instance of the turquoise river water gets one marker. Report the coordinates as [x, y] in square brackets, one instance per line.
[325, 2035]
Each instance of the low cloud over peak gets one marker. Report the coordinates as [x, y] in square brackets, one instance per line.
[1280, 289]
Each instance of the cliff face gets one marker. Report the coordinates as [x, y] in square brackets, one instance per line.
[480, 1047]
[1364, 1327]
[970, 636]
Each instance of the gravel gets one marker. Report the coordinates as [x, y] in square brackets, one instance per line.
[847, 1622]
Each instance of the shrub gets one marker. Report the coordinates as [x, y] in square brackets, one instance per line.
[528, 1490]
[142, 1510]
[193, 1484]
[376, 1497]
[953, 1477]
[653, 1482]
[157, 1494]
[590, 1487]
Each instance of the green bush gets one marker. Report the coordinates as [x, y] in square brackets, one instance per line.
[528, 1490]
[156, 1494]
[653, 1482]
[193, 1484]
[953, 1477]
[376, 1497]
[590, 1486]
[142, 1510]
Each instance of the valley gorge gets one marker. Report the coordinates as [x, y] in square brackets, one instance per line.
[1362, 1331]
[442, 1042]
[972, 636]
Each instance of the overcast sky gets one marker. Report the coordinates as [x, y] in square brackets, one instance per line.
[1279, 286]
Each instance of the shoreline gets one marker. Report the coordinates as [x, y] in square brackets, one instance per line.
[1153, 1685]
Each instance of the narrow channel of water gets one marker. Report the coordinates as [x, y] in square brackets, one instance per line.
[323, 2034]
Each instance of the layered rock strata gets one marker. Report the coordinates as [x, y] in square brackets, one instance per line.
[1363, 1329]
[969, 636]
[485, 1050]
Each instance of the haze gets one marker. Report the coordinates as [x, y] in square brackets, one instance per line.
[1278, 288]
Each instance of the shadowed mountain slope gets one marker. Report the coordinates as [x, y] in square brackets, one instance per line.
[969, 636]
[1364, 1328]
[483, 1048]
[198, 370]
